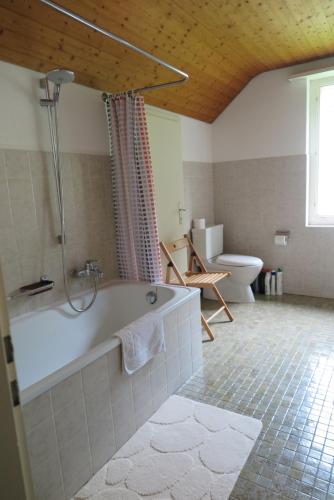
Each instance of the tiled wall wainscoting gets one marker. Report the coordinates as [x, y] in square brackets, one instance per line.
[198, 192]
[29, 221]
[255, 198]
[75, 427]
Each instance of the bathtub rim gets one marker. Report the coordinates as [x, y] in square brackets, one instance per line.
[182, 295]
[82, 293]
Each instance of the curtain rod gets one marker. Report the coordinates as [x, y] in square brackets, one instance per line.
[127, 44]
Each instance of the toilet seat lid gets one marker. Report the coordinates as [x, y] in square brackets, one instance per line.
[238, 260]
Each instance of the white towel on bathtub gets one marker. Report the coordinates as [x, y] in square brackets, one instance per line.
[141, 341]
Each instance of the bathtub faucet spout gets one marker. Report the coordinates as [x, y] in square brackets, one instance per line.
[91, 269]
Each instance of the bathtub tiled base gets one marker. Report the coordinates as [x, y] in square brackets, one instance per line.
[78, 425]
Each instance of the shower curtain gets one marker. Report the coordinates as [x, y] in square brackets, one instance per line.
[137, 242]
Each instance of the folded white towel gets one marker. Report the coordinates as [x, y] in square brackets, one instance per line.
[141, 341]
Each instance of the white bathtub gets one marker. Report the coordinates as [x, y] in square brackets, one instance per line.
[79, 407]
[52, 344]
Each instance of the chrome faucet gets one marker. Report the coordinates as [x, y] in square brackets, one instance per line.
[91, 269]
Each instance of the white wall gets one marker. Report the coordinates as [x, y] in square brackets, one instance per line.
[259, 145]
[23, 123]
[267, 119]
[196, 140]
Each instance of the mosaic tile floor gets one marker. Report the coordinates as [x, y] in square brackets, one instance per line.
[276, 363]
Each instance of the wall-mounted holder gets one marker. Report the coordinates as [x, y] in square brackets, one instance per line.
[281, 238]
[44, 285]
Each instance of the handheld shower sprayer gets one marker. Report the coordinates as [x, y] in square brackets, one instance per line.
[57, 77]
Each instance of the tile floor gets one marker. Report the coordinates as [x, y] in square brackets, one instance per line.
[276, 363]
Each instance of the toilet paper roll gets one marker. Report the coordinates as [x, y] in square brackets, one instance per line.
[281, 240]
[199, 223]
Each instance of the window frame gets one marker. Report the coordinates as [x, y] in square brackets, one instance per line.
[313, 219]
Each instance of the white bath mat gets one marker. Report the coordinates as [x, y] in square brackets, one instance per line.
[186, 451]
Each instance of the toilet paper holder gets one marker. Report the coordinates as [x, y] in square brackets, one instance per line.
[281, 238]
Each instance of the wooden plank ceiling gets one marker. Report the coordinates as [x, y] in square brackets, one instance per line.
[222, 44]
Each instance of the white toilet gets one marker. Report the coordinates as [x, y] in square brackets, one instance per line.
[209, 243]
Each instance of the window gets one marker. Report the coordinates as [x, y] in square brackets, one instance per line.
[321, 152]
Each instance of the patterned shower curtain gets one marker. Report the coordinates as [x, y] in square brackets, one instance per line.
[137, 242]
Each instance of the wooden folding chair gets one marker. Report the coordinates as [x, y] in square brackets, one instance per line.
[202, 279]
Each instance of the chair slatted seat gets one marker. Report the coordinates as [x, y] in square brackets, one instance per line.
[204, 280]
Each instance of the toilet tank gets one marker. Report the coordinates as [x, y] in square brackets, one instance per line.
[209, 241]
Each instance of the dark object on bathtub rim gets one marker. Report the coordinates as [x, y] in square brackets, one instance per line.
[44, 285]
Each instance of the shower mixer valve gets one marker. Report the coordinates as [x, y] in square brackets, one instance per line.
[91, 269]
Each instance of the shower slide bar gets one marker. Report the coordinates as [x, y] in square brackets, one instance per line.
[184, 76]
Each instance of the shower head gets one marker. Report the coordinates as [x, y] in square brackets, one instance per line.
[59, 76]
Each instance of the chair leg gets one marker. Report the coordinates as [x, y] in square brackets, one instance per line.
[207, 327]
[221, 299]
